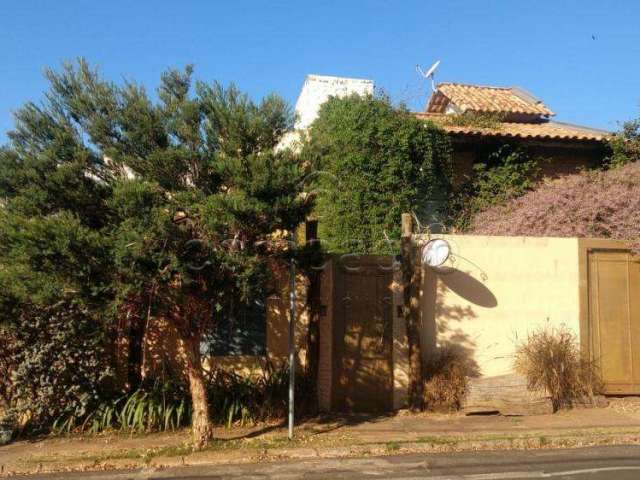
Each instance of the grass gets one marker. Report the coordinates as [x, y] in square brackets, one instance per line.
[439, 440]
[393, 446]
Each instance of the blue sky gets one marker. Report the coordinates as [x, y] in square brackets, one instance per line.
[547, 47]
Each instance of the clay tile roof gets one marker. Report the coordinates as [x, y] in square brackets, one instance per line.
[511, 100]
[539, 131]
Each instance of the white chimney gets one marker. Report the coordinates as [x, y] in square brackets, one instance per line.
[318, 88]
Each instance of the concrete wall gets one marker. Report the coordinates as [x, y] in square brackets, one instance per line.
[494, 291]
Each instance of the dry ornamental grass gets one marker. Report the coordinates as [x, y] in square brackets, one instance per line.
[446, 380]
[550, 360]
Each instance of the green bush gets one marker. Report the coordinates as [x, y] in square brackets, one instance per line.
[625, 146]
[8, 347]
[379, 161]
[61, 367]
[166, 406]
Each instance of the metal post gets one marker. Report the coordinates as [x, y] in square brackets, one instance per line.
[292, 345]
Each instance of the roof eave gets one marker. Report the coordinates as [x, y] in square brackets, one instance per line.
[474, 135]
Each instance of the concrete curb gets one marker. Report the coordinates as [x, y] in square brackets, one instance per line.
[433, 444]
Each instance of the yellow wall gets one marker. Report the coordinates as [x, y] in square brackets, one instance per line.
[494, 291]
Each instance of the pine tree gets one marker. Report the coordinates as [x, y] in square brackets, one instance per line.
[132, 207]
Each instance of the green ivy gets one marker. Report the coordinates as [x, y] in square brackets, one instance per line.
[491, 120]
[625, 146]
[507, 173]
[377, 162]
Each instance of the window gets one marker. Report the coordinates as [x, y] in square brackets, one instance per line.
[238, 330]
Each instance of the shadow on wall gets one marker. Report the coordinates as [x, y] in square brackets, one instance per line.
[468, 288]
[442, 328]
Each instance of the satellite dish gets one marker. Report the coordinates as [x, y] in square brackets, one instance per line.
[429, 73]
[432, 70]
[436, 252]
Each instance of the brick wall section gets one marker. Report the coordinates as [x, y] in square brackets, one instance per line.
[463, 161]
[325, 360]
[555, 159]
[556, 162]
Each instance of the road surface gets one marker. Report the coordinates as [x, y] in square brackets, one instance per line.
[599, 463]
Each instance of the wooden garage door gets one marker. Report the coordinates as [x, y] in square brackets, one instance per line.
[363, 337]
[614, 318]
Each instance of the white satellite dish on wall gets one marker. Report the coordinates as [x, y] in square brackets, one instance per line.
[436, 252]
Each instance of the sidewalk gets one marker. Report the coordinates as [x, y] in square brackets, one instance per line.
[332, 437]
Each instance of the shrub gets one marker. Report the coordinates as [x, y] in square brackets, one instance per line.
[8, 426]
[625, 146]
[166, 406]
[492, 120]
[600, 204]
[246, 400]
[550, 360]
[379, 161]
[446, 380]
[61, 367]
[8, 347]
[163, 406]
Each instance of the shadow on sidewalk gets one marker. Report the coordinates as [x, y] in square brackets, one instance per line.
[330, 422]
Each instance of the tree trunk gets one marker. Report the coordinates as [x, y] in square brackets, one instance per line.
[411, 275]
[200, 422]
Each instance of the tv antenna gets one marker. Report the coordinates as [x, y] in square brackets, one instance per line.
[429, 73]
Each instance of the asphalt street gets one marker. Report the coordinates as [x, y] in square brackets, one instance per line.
[600, 463]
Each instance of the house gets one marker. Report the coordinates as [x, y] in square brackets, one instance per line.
[481, 118]
[492, 295]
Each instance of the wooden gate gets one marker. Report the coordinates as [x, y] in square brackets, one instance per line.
[614, 318]
[362, 332]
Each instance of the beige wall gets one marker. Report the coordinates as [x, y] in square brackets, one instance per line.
[494, 292]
